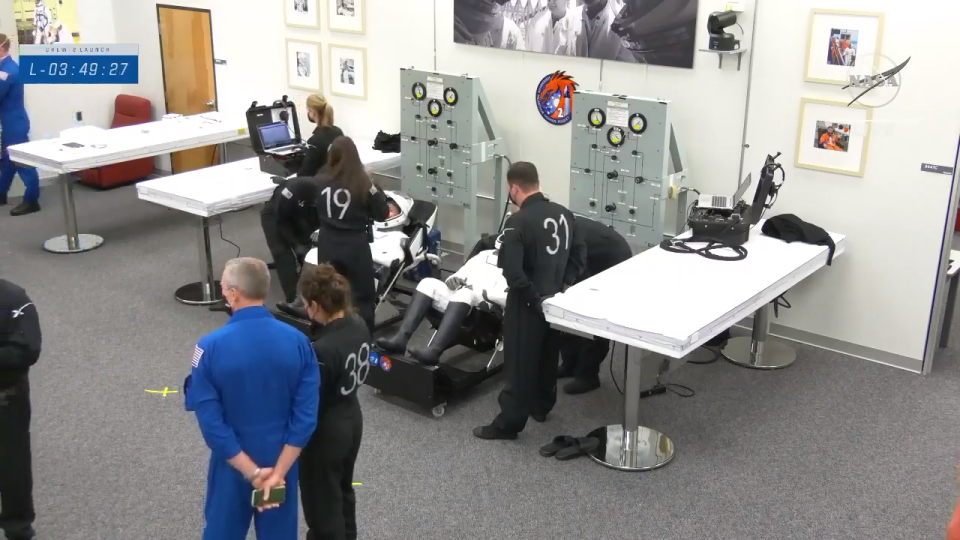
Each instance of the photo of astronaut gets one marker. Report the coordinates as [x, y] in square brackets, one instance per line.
[345, 8]
[43, 22]
[658, 32]
[347, 71]
[303, 64]
[300, 6]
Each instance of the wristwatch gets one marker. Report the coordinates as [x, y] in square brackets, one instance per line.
[253, 476]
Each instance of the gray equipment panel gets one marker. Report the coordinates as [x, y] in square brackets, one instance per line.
[620, 163]
[446, 130]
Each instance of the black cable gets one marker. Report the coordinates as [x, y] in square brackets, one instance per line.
[228, 241]
[687, 392]
[659, 388]
[612, 355]
[714, 358]
[707, 251]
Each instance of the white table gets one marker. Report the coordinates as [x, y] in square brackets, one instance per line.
[100, 147]
[225, 188]
[952, 283]
[671, 304]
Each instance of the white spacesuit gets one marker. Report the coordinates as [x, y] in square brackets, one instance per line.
[478, 281]
[42, 16]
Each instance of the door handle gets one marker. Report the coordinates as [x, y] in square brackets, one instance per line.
[211, 103]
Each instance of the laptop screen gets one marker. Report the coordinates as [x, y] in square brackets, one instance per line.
[275, 135]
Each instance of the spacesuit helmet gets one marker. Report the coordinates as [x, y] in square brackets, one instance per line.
[399, 205]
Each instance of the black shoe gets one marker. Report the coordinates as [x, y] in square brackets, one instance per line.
[446, 335]
[581, 386]
[493, 433]
[565, 371]
[539, 417]
[25, 208]
[412, 317]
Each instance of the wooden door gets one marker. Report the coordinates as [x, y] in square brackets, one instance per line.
[189, 84]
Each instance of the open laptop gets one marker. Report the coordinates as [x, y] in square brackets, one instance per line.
[721, 202]
[276, 139]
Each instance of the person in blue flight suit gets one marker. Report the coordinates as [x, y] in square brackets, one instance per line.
[16, 127]
[255, 389]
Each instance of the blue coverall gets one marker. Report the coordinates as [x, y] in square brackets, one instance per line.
[254, 387]
[16, 127]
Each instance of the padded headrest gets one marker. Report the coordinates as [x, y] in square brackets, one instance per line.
[420, 214]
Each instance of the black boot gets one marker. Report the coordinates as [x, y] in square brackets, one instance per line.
[25, 208]
[295, 308]
[450, 326]
[412, 317]
[581, 386]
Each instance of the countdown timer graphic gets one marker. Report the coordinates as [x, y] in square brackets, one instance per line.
[79, 64]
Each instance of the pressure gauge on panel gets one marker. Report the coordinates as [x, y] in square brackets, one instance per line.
[434, 108]
[450, 96]
[615, 136]
[597, 118]
[419, 91]
[638, 123]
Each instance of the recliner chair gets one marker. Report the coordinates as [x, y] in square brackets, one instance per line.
[128, 111]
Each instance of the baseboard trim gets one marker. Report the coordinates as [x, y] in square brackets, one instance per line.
[913, 365]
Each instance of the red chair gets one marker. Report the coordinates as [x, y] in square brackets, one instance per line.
[128, 111]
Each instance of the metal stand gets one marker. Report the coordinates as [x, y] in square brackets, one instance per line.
[72, 242]
[206, 292]
[629, 447]
[948, 313]
[757, 352]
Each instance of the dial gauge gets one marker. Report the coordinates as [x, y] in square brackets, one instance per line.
[597, 118]
[615, 136]
[638, 123]
[450, 96]
[434, 108]
[419, 91]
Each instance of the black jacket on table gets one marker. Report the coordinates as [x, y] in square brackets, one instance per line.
[317, 145]
[343, 350]
[542, 250]
[20, 337]
[294, 204]
[339, 210]
[606, 247]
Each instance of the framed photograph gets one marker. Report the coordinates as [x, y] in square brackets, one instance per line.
[833, 137]
[303, 65]
[348, 71]
[843, 43]
[346, 16]
[301, 13]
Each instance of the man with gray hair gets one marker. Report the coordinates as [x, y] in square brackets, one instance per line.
[254, 385]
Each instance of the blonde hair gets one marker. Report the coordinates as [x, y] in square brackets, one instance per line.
[4, 43]
[321, 108]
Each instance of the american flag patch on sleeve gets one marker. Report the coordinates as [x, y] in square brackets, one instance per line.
[197, 355]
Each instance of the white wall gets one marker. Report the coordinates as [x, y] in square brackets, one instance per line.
[876, 295]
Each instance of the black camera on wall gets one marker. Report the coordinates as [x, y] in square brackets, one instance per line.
[720, 40]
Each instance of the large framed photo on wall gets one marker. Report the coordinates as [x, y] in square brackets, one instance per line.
[304, 65]
[619, 30]
[346, 16]
[301, 13]
[44, 22]
[833, 137]
[348, 71]
[843, 43]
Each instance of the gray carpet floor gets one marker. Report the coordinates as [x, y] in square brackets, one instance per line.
[832, 448]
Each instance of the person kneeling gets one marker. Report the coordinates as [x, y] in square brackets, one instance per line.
[478, 282]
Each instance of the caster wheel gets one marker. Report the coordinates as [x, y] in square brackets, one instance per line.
[438, 411]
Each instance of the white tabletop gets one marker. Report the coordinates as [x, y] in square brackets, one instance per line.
[224, 188]
[672, 303]
[104, 147]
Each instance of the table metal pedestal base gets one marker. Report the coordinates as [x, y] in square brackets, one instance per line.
[72, 242]
[199, 294]
[81, 243]
[758, 351]
[206, 292]
[630, 447]
[653, 449]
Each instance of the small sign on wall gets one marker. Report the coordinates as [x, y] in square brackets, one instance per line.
[936, 169]
[555, 97]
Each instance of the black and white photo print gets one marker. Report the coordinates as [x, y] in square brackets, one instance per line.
[345, 8]
[303, 64]
[348, 71]
[346, 16]
[347, 75]
[301, 6]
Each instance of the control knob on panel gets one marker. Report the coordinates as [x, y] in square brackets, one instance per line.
[593, 203]
[432, 170]
[633, 211]
[449, 174]
[432, 142]
[454, 146]
[611, 207]
[612, 174]
[419, 168]
[638, 179]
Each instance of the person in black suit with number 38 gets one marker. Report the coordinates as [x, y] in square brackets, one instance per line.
[343, 350]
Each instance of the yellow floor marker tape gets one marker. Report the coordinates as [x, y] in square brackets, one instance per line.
[358, 483]
[166, 390]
